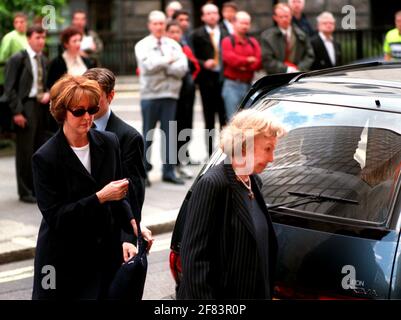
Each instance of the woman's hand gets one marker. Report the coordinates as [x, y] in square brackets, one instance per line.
[114, 191]
[146, 234]
[129, 251]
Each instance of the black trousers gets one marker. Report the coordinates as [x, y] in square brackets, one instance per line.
[210, 86]
[184, 116]
[28, 140]
[5, 114]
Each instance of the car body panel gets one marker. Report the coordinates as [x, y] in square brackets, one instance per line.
[315, 263]
[321, 254]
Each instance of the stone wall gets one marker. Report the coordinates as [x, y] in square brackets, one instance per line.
[133, 13]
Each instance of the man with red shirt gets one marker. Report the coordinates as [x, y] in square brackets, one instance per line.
[241, 57]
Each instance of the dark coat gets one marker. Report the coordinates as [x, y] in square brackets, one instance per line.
[19, 78]
[218, 251]
[78, 236]
[132, 149]
[322, 59]
[58, 68]
[273, 50]
[204, 50]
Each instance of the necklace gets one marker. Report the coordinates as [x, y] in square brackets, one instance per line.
[248, 186]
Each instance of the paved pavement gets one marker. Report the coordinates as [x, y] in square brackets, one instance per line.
[19, 222]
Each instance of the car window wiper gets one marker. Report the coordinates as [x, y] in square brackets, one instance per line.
[322, 197]
[306, 198]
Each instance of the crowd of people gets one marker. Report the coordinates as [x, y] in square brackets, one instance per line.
[222, 60]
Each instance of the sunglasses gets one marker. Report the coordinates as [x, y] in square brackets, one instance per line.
[81, 111]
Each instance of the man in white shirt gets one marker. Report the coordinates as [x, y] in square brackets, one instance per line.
[28, 98]
[162, 65]
[327, 50]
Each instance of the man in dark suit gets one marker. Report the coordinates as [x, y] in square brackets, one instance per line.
[131, 145]
[327, 50]
[26, 92]
[206, 42]
[285, 47]
[228, 11]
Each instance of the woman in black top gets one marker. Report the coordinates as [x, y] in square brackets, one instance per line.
[70, 60]
[229, 247]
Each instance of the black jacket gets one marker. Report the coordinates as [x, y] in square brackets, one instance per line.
[218, 250]
[322, 59]
[132, 149]
[19, 78]
[204, 50]
[58, 68]
[78, 236]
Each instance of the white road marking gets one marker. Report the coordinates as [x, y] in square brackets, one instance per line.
[16, 274]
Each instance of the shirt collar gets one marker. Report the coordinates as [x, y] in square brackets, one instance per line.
[215, 29]
[324, 38]
[284, 31]
[156, 40]
[101, 123]
[30, 51]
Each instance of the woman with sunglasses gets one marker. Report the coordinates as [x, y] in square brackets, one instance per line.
[82, 197]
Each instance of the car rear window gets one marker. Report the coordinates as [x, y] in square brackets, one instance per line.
[335, 151]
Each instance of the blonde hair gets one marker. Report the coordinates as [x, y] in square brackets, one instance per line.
[68, 91]
[244, 126]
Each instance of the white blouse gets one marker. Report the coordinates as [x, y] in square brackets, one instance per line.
[75, 65]
[83, 154]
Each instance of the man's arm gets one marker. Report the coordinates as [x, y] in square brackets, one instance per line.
[270, 61]
[11, 75]
[148, 62]
[308, 58]
[5, 49]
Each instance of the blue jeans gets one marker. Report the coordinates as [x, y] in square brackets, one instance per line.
[233, 92]
[163, 110]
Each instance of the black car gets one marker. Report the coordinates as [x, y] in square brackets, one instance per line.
[333, 190]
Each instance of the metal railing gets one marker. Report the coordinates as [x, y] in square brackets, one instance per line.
[361, 44]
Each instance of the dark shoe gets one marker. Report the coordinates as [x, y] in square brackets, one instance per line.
[28, 199]
[174, 180]
[147, 183]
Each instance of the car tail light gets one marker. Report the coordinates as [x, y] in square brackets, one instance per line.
[175, 265]
[284, 292]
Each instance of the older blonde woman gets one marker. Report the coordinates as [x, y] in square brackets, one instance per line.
[228, 249]
[82, 197]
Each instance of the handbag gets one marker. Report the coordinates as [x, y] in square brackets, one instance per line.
[129, 280]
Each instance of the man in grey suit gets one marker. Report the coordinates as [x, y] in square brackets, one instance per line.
[285, 47]
[25, 91]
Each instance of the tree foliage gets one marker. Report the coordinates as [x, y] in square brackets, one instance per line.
[33, 8]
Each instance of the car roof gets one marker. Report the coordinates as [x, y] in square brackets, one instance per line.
[371, 87]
